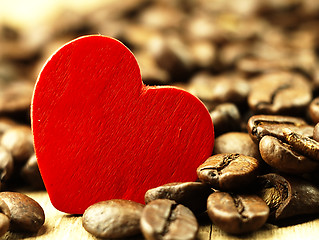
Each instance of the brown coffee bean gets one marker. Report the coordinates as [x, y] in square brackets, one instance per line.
[226, 117]
[165, 219]
[280, 92]
[316, 132]
[314, 110]
[4, 224]
[304, 145]
[237, 214]
[115, 218]
[30, 172]
[6, 164]
[25, 213]
[190, 194]
[288, 196]
[262, 125]
[6, 124]
[284, 158]
[228, 171]
[19, 141]
[236, 142]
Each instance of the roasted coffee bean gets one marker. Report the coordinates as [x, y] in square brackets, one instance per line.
[226, 117]
[19, 141]
[314, 110]
[237, 214]
[316, 132]
[115, 218]
[288, 196]
[30, 172]
[284, 158]
[165, 219]
[262, 125]
[25, 213]
[4, 224]
[228, 171]
[304, 145]
[6, 164]
[236, 142]
[6, 124]
[280, 93]
[190, 194]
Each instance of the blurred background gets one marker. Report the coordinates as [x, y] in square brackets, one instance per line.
[188, 43]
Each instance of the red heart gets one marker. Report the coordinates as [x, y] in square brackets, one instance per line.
[100, 134]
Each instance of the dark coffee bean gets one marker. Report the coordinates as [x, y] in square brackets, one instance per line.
[19, 141]
[6, 164]
[165, 219]
[25, 213]
[30, 172]
[284, 158]
[288, 196]
[190, 194]
[237, 214]
[236, 142]
[281, 92]
[115, 218]
[262, 125]
[314, 110]
[226, 117]
[304, 145]
[228, 171]
[316, 132]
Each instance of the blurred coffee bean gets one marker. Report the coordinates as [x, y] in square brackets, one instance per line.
[4, 224]
[236, 142]
[6, 164]
[165, 219]
[316, 132]
[237, 214]
[280, 93]
[15, 96]
[115, 218]
[31, 174]
[226, 117]
[232, 52]
[219, 89]
[19, 142]
[25, 213]
[204, 54]
[229, 171]
[314, 110]
[303, 145]
[284, 157]
[6, 124]
[262, 125]
[190, 194]
[288, 196]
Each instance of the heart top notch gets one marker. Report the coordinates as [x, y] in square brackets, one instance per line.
[100, 133]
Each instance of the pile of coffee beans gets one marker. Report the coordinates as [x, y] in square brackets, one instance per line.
[255, 66]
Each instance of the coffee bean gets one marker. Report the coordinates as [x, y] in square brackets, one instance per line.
[6, 124]
[284, 158]
[288, 196]
[6, 164]
[316, 132]
[115, 218]
[25, 213]
[30, 172]
[304, 145]
[237, 214]
[228, 171]
[165, 219]
[19, 141]
[314, 110]
[281, 92]
[190, 194]
[4, 224]
[262, 125]
[226, 117]
[236, 142]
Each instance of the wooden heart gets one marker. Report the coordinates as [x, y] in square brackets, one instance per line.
[100, 134]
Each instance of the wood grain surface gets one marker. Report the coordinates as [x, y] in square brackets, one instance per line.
[60, 226]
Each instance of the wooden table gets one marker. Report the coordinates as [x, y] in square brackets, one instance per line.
[60, 226]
